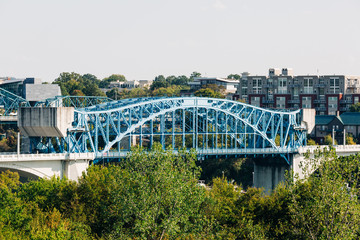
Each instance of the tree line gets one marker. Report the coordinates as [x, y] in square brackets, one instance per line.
[75, 84]
[156, 195]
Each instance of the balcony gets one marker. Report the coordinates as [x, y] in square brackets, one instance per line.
[353, 86]
[321, 109]
[295, 85]
[344, 109]
[320, 85]
[346, 101]
[268, 101]
[268, 85]
[320, 101]
[294, 101]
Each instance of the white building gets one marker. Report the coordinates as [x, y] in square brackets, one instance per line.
[130, 84]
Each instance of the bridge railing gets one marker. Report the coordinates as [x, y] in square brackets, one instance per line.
[11, 102]
[338, 148]
[14, 157]
[212, 152]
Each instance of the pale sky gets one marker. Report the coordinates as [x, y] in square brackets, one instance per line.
[142, 39]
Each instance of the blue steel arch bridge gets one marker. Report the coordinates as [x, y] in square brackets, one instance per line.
[210, 126]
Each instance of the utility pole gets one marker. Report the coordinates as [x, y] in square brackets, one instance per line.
[344, 141]
[333, 135]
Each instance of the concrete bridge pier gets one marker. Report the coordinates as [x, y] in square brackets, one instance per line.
[269, 172]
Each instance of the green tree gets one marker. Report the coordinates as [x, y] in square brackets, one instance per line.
[311, 142]
[112, 78]
[207, 92]
[114, 94]
[181, 81]
[227, 208]
[169, 91]
[77, 85]
[349, 139]
[328, 140]
[157, 196]
[234, 76]
[194, 75]
[355, 107]
[93, 90]
[89, 78]
[323, 205]
[138, 92]
[159, 82]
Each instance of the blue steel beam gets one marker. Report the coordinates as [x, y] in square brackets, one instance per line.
[11, 102]
[73, 101]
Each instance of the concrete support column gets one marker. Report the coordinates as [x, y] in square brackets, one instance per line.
[268, 173]
[73, 169]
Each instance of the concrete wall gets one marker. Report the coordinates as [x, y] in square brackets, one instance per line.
[45, 121]
[308, 117]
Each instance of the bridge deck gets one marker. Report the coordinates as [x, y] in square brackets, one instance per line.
[14, 157]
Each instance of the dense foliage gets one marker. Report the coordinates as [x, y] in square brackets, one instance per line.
[8, 138]
[155, 195]
[89, 85]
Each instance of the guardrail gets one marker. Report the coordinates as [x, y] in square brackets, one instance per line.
[14, 157]
[213, 152]
[8, 118]
[338, 148]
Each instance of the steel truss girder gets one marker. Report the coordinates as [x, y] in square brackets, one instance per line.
[11, 102]
[74, 101]
[205, 124]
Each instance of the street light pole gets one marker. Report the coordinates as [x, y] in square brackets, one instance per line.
[333, 135]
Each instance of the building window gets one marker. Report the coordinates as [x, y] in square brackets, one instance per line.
[334, 85]
[280, 102]
[257, 85]
[282, 89]
[356, 99]
[308, 85]
[255, 101]
[306, 102]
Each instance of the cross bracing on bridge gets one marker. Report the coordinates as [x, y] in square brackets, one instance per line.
[73, 101]
[211, 126]
[11, 102]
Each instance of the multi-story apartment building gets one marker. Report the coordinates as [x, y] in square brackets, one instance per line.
[328, 94]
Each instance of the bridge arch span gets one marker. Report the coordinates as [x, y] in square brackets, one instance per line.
[143, 121]
[214, 123]
[24, 171]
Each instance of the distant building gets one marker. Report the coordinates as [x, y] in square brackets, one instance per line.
[229, 85]
[130, 84]
[31, 89]
[326, 124]
[328, 94]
